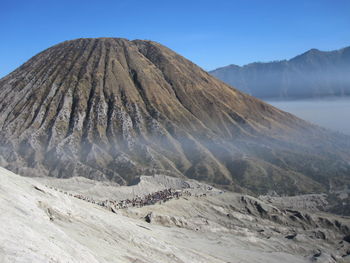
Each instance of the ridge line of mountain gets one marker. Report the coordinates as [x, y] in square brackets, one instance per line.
[313, 73]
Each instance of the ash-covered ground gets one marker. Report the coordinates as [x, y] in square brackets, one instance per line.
[44, 221]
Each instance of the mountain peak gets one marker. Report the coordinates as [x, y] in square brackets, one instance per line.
[114, 109]
[313, 50]
[310, 52]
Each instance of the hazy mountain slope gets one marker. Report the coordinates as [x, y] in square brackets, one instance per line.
[312, 74]
[113, 109]
[44, 225]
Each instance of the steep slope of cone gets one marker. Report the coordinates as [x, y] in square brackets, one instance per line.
[116, 109]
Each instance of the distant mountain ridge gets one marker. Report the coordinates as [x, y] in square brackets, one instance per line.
[312, 74]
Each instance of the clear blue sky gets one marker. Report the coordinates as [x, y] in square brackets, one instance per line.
[210, 33]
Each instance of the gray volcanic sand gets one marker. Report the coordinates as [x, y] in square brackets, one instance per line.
[40, 224]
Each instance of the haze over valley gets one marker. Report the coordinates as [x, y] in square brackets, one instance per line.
[330, 112]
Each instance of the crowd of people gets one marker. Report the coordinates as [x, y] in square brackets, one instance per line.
[149, 199]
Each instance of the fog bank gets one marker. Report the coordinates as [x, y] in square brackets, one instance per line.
[331, 113]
